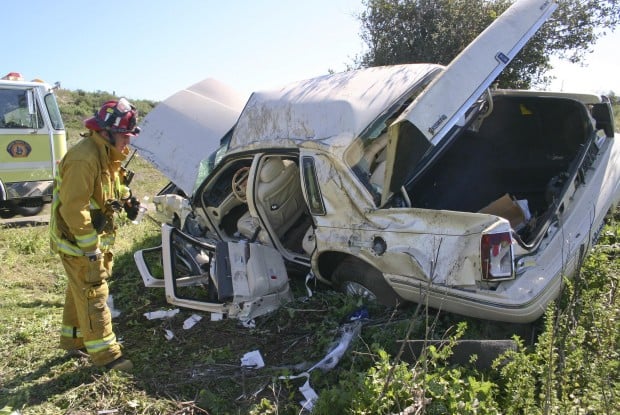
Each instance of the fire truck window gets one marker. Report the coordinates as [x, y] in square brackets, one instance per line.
[14, 110]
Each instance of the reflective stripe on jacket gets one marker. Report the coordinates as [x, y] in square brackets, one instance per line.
[87, 178]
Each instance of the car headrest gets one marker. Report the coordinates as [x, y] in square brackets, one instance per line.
[271, 169]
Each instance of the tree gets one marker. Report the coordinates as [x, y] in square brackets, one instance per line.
[407, 31]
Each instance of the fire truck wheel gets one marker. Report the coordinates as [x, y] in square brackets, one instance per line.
[7, 213]
[28, 210]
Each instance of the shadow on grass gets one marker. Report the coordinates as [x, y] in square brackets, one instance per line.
[41, 304]
[41, 385]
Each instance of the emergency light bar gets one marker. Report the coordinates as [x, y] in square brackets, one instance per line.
[13, 76]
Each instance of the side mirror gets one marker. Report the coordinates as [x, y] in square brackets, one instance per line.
[32, 109]
[30, 99]
[604, 117]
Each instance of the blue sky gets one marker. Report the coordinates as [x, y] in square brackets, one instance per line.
[149, 49]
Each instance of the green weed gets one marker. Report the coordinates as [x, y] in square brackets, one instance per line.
[571, 366]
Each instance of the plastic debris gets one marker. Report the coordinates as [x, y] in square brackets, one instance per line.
[191, 321]
[169, 335]
[252, 359]
[349, 331]
[309, 277]
[359, 314]
[249, 324]
[310, 395]
[217, 316]
[151, 315]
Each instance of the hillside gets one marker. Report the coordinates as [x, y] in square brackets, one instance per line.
[76, 106]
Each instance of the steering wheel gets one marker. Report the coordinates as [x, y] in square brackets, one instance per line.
[240, 183]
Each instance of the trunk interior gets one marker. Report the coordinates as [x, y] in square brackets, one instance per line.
[527, 148]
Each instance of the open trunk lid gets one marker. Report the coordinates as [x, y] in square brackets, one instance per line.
[444, 104]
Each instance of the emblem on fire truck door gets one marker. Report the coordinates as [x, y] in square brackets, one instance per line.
[18, 148]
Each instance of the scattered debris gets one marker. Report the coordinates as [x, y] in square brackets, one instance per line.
[349, 331]
[359, 314]
[249, 324]
[151, 315]
[253, 359]
[217, 316]
[310, 395]
[310, 277]
[191, 321]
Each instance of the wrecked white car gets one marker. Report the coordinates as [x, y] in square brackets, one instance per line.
[401, 183]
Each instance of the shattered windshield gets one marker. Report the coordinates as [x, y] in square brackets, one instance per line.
[208, 164]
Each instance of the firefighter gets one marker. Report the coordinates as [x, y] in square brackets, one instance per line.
[89, 188]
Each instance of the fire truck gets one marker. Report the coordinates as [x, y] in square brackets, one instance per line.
[32, 142]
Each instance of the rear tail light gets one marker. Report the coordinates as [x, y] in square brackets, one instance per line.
[497, 256]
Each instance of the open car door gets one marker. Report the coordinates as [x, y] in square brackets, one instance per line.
[444, 104]
[186, 127]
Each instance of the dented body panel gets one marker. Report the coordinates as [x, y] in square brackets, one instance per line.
[304, 111]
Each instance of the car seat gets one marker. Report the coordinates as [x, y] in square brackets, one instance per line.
[279, 198]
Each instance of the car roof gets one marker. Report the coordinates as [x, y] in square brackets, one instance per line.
[331, 109]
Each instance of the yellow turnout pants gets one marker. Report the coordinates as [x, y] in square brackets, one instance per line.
[86, 319]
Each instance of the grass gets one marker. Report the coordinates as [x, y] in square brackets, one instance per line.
[198, 372]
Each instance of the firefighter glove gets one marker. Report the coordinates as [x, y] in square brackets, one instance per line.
[132, 207]
[98, 219]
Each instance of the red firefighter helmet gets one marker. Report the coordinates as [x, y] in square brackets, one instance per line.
[115, 116]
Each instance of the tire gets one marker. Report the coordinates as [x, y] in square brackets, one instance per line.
[28, 210]
[7, 213]
[30, 207]
[354, 277]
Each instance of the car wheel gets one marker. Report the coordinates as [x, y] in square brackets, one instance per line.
[354, 277]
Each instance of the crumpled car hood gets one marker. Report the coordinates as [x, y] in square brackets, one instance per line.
[186, 127]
